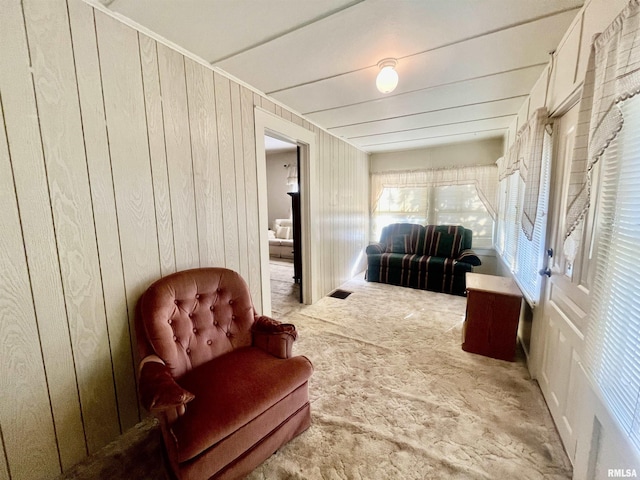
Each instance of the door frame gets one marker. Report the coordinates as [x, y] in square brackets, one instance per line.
[267, 123]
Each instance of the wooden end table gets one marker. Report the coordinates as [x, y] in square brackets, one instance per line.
[493, 310]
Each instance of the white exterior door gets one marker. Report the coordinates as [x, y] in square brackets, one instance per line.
[560, 321]
[591, 437]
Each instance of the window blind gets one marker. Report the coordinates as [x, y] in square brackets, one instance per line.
[523, 256]
[461, 205]
[501, 223]
[434, 205]
[530, 253]
[406, 204]
[513, 203]
[612, 352]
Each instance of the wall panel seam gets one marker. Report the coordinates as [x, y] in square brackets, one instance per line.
[93, 218]
[193, 169]
[166, 157]
[35, 314]
[146, 120]
[215, 98]
[115, 199]
[4, 451]
[59, 269]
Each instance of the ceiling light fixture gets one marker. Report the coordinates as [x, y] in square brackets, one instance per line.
[387, 79]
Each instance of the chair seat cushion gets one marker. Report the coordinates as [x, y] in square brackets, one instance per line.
[246, 391]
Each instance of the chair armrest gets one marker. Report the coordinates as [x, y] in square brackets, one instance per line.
[159, 392]
[375, 248]
[274, 337]
[469, 256]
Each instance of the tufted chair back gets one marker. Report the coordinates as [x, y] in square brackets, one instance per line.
[190, 317]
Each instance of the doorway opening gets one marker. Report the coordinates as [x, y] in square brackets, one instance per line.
[267, 123]
[283, 206]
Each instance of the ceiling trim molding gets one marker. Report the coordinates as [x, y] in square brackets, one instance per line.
[429, 50]
[429, 111]
[434, 126]
[287, 32]
[431, 87]
[495, 30]
[418, 96]
[98, 6]
[436, 136]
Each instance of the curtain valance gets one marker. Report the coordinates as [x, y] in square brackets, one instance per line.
[525, 157]
[613, 75]
[483, 177]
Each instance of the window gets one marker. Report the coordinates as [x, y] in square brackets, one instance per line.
[398, 205]
[456, 196]
[434, 205]
[503, 189]
[523, 256]
[460, 205]
[613, 338]
[530, 254]
[512, 217]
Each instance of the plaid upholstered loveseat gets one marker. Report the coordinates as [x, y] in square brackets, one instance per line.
[431, 257]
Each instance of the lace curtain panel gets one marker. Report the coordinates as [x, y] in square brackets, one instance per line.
[483, 177]
[525, 157]
[613, 75]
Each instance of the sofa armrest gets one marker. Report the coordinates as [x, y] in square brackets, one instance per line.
[469, 256]
[375, 248]
[274, 337]
[159, 392]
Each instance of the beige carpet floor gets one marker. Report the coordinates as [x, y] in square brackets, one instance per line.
[394, 397]
[285, 293]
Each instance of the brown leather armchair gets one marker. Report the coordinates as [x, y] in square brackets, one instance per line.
[220, 378]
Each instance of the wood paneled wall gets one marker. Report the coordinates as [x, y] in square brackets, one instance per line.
[121, 160]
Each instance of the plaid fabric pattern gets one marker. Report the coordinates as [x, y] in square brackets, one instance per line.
[419, 271]
[375, 249]
[430, 259]
[469, 257]
[448, 245]
[412, 230]
[434, 239]
[428, 241]
[401, 244]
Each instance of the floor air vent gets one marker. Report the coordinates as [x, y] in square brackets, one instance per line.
[340, 294]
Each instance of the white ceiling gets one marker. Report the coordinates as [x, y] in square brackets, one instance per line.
[272, 144]
[465, 66]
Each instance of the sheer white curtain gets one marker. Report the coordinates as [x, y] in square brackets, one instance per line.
[613, 75]
[530, 251]
[613, 336]
[524, 179]
[509, 220]
[612, 145]
[464, 196]
[483, 177]
[525, 156]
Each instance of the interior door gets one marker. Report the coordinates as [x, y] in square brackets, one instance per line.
[297, 228]
[560, 322]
